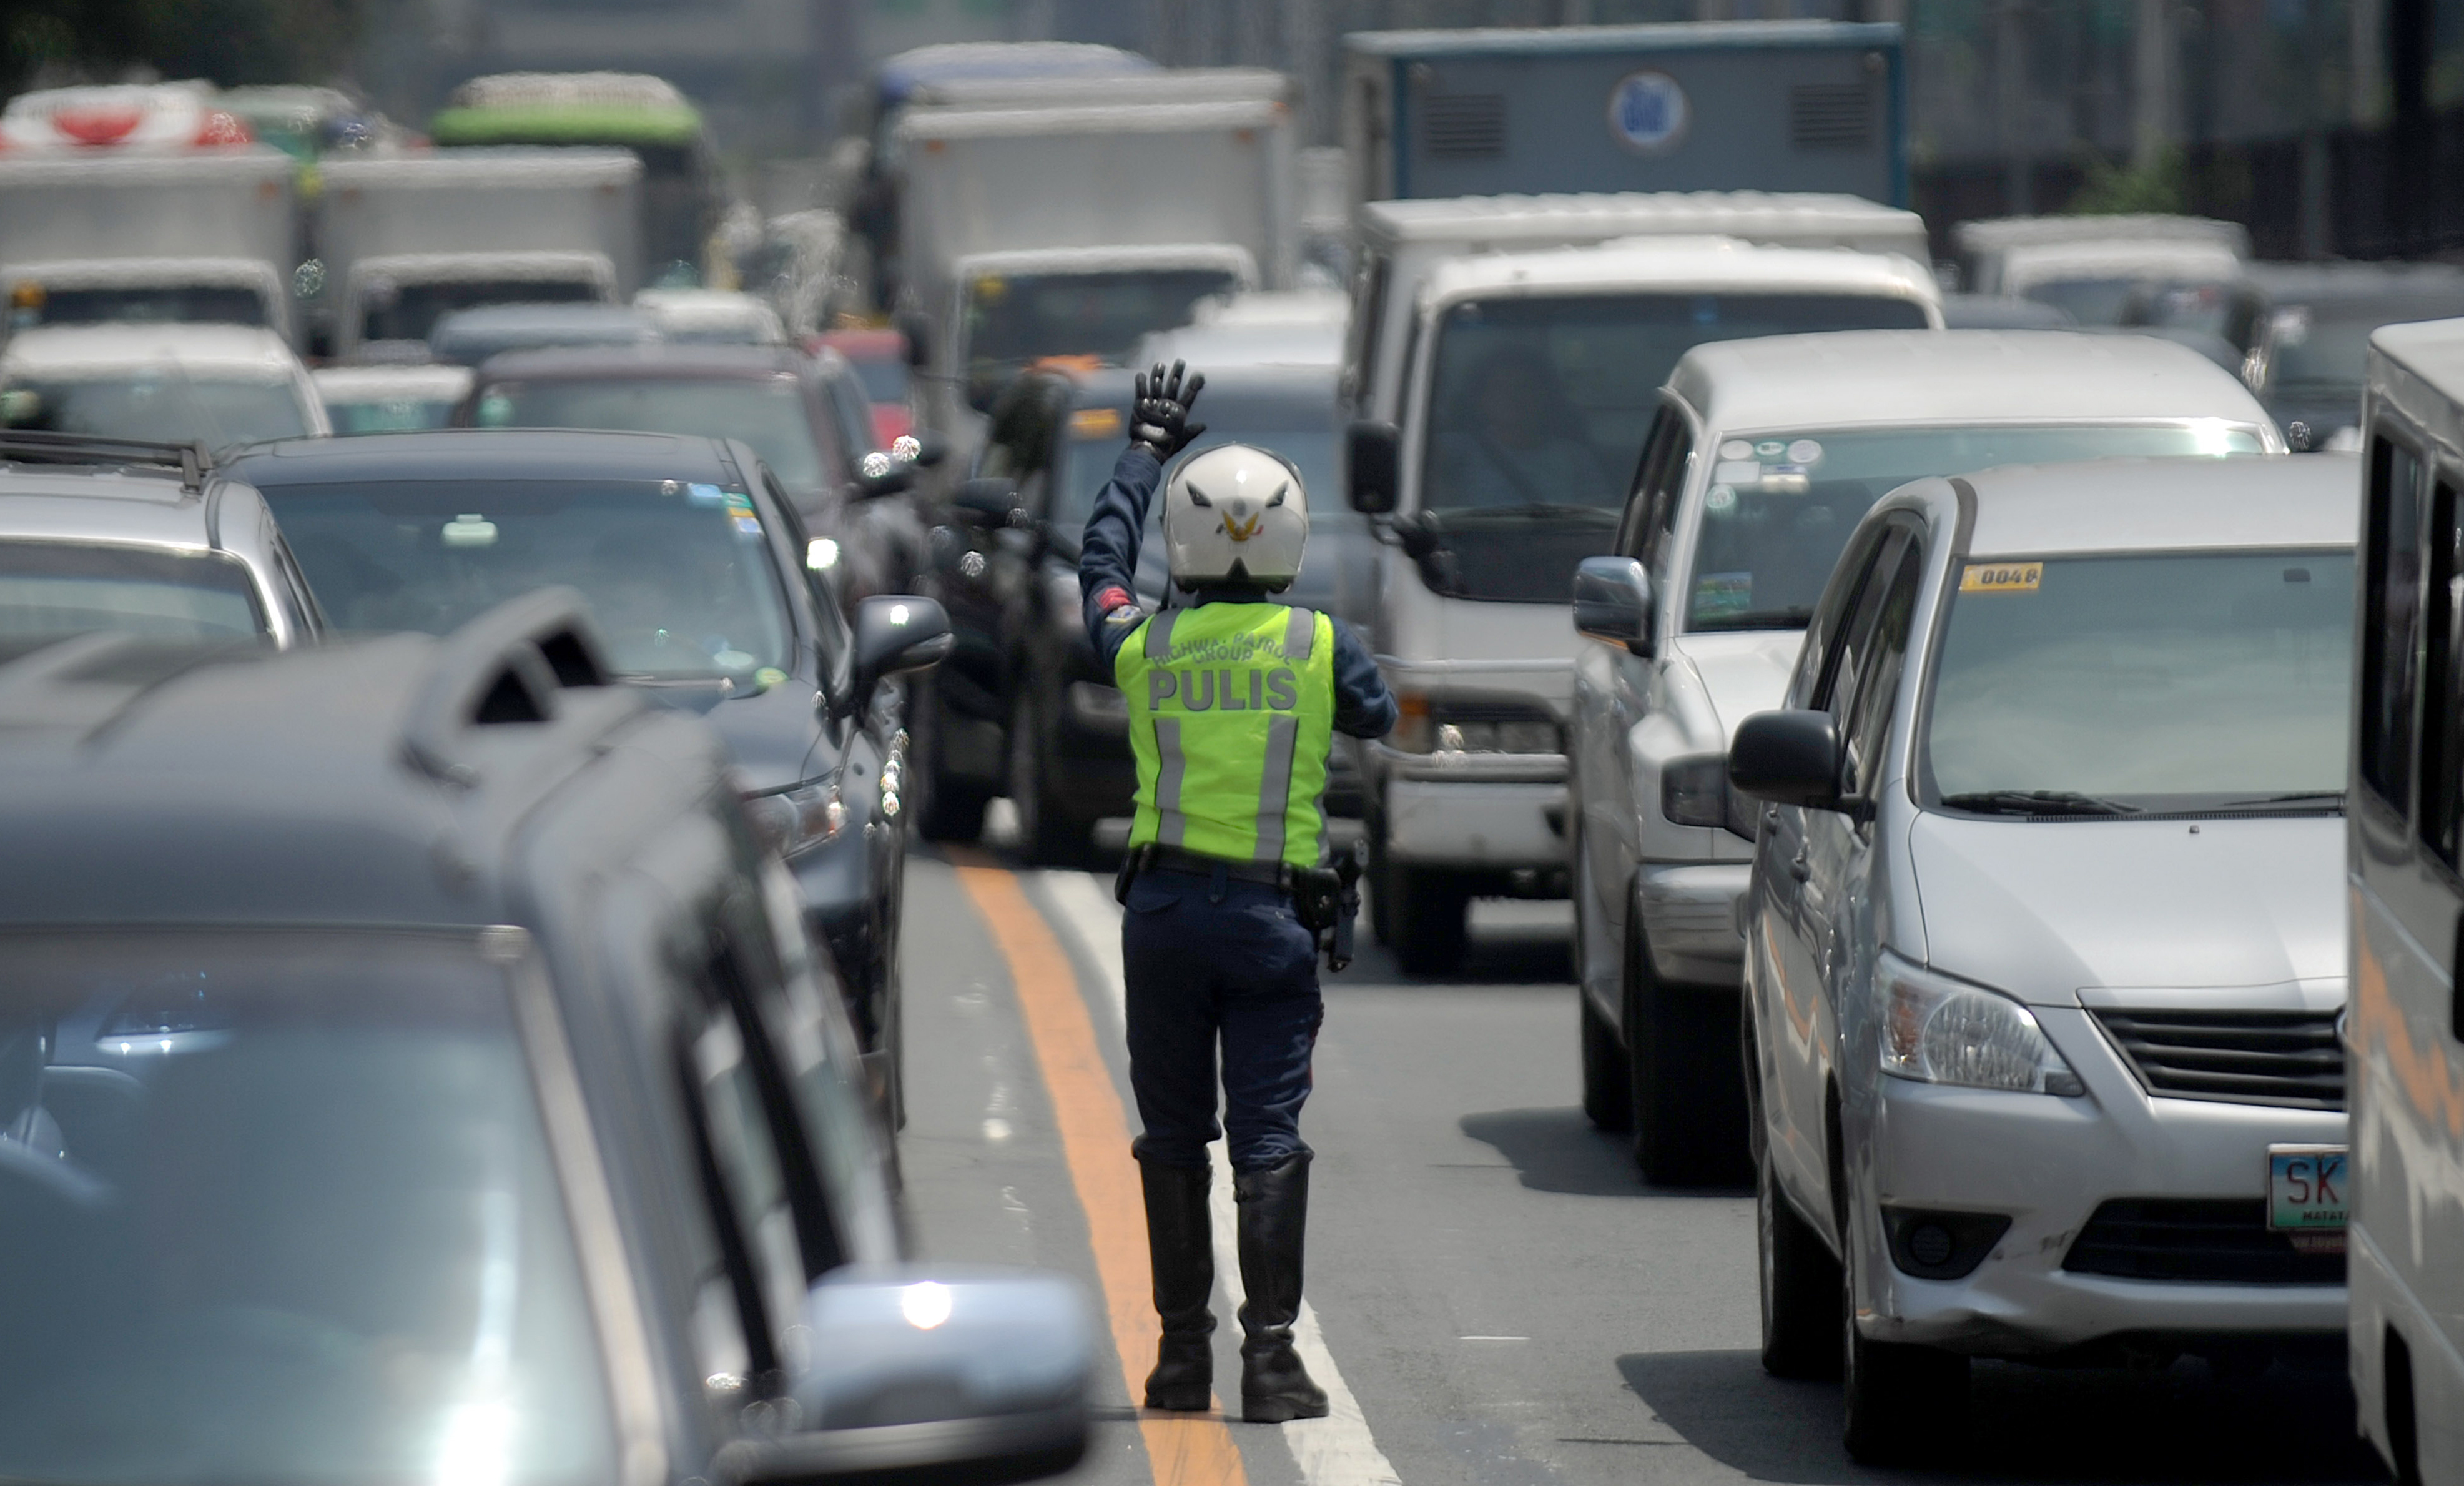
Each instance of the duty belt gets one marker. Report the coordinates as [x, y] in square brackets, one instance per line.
[1157, 857]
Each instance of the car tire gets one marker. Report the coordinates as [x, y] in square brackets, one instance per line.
[1048, 836]
[1683, 1075]
[1800, 1285]
[1903, 1405]
[951, 810]
[1424, 915]
[1607, 1102]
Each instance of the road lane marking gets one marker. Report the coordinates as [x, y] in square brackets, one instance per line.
[1187, 1449]
[1337, 1449]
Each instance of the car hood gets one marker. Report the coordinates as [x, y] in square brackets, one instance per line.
[1741, 674]
[774, 736]
[2047, 909]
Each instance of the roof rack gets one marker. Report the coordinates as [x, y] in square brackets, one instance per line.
[505, 666]
[191, 460]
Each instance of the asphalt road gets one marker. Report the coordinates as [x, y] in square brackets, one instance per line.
[1504, 1300]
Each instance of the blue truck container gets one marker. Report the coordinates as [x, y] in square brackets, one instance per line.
[1713, 105]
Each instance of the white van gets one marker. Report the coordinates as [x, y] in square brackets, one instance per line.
[1399, 242]
[2403, 1038]
[1530, 384]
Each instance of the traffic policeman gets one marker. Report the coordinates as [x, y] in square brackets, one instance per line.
[1234, 701]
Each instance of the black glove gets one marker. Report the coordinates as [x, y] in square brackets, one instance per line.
[1159, 414]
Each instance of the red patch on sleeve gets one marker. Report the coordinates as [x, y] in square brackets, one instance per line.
[1112, 598]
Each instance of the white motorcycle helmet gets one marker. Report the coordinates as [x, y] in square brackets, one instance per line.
[1235, 515]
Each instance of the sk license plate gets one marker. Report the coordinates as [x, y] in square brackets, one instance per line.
[2306, 1196]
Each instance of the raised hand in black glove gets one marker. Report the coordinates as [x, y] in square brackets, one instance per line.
[1159, 414]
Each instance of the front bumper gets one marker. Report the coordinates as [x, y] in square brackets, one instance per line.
[1471, 823]
[2048, 1163]
[1689, 919]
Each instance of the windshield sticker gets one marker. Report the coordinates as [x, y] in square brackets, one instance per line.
[2001, 577]
[1736, 449]
[1770, 447]
[1737, 472]
[1805, 450]
[738, 503]
[769, 676]
[705, 495]
[470, 530]
[749, 526]
[1717, 595]
[1721, 500]
[1095, 423]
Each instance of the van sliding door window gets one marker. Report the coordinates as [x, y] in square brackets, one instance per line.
[2391, 637]
[2442, 729]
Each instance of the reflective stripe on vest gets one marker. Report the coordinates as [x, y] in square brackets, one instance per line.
[1231, 717]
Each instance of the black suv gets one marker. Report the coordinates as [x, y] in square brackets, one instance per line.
[693, 564]
[407, 1071]
[1023, 707]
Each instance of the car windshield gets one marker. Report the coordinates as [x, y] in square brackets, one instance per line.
[167, 402]
[63, 588]
[2087, 302]
[768, 414]
[2146, 682]
[1780, 505]
[677, 573]
[1542, 403]
[1097, 442]
[1014, 319]
[179, 304]
[408, 312]
[281, 1210]
[390, 415]
[2324, 346]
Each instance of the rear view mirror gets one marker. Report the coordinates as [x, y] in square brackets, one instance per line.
[1373, 463]
[976, 1376]
[1789, 758]
[1612, 602]
[987, 501]
[895, 632]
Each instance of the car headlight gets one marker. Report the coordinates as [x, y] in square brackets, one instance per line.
[1422, 726]
[1695, 792]
[1938, 1030]
[798, 818]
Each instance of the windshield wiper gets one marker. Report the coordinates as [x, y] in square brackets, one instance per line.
[2334, 797]
[2037, 801]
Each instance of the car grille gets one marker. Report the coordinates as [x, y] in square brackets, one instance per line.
[2286, 1058]
[2222, 1240]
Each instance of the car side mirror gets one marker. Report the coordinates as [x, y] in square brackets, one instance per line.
[895, 633]
[916, 330]
[878, 474]
[1789, 758]
[986, 500]
[911, 1374]
[1612, 602]
[1373, 465]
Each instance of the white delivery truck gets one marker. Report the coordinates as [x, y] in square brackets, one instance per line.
[158, 234]
[1155, 206]
[404, 238]
[1531, 383]
[1397, 242]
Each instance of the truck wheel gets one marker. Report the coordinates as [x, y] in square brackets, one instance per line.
[1906, 1405]
[1800, 1285]
[1606, 1100]
[950, 809]
[1424, 918]
[1682, 1073]
[1048, 836]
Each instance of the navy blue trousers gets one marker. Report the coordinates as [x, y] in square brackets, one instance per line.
[1208, 961]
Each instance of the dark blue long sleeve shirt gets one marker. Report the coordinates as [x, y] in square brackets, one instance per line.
[1108, 558]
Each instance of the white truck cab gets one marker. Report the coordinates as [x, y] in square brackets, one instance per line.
[1531, 383]
[1399, 242]
[1761, 457]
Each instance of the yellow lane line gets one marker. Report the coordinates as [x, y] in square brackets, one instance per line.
[1186, 1450]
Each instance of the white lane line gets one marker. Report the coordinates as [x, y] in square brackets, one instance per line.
[1337, 1449]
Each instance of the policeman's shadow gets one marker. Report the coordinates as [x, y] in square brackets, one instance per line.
[1557, 1150]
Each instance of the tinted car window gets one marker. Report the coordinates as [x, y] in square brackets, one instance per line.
[1013, 319]
[769, 414]
[293, 1215]
[408, 312]
[392, 415]
[2391, 598]
[58, 587]
[677, 573]
[164, 403]
[175, 304]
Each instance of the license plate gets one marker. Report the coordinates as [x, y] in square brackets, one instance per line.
[2305, 1187]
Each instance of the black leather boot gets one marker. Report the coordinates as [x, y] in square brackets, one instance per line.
[1274, 1221]
[1180, 1246]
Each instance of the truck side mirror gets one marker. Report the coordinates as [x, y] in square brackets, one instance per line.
[878, 474]
[915, 328]
[1373, 463]
[1789, 758]
[1612, 602]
